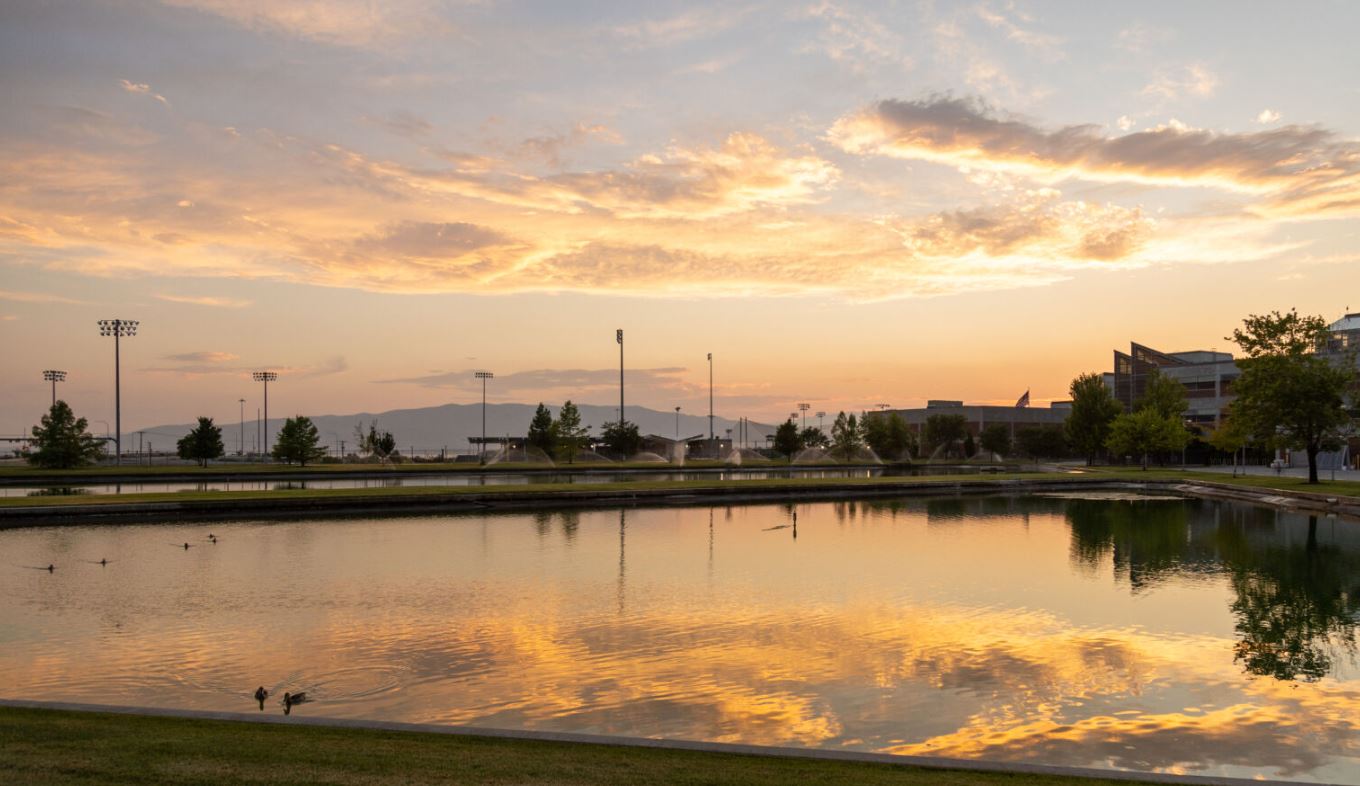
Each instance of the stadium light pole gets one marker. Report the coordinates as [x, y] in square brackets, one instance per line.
[266, 377]
[882, 407]
[710, 396]
[803, 408]
[241, 435]
[483, 376]
[118, 328]
[54, 377]
[618, 336]
[677, 424]
[820, 415]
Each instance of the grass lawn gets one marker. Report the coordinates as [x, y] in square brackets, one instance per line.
[57, 747]
[21, 472]
[1347, 488]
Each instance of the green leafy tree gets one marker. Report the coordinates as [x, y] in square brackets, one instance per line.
[888, 436]
[1146, 431]
[786, 439]
[1287, 395]
[298, 442]
[1163, 395]
[969, 445]
[813, 437]
[61, 441]
[846, 439]
[543, 430]
[1041, 441]
[203, 443]
[1229, 437]
[996, 439]
[622, 438]
[944, 431]
[571, 436]
[1094, 408]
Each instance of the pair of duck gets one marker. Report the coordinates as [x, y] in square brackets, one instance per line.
[289, 699]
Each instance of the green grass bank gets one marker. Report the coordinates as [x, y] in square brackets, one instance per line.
[40, 746]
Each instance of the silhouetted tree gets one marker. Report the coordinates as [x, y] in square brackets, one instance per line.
[1146, 431]
[202, 444]
[570, 434]
[786, 439]
[622, 438]
[846, 439]
[813, 437]
[996, 438]
[1041, 441]
[543, 430]
[943, 431]
[1094, 408]
[62, 442]
[298, 442]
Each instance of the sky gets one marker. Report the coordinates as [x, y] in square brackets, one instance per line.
[846, 203]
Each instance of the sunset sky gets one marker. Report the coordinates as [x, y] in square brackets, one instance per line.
[846, 203]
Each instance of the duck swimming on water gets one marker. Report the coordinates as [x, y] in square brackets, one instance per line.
[289, 699]
[260, 695]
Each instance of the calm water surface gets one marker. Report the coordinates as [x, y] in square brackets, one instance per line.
[1152, 634]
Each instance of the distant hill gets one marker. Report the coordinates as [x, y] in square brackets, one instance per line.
[430, 429]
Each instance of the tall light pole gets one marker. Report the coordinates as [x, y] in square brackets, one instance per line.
[241, 444]
[677, 424]
[54, 377]
[618, 336]
[710, 396]
[803, 408]
[820, 415]
[483, 376]
[266, 377]
[117, 328]
[882, 407]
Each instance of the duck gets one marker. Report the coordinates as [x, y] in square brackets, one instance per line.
[260, 695]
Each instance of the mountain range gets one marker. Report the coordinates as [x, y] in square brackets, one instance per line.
[428, 430]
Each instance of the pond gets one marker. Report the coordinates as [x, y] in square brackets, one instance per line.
[1155, 634]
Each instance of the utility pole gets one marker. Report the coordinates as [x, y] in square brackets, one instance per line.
[241, 442]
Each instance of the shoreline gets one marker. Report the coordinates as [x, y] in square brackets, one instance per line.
[596, 744]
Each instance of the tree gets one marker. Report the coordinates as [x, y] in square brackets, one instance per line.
[813, 437]
[298, 441]
[887, 436]
[203, 443]
[1093, 410]
[1040, 441]
[1229, 437]
[996, 439]
[1287, 395]
[786, 439]
[846, 439]
[62, 442]
[944, 430]
[1146, 431]
[622, 438]
[1163, 395]
[379, 444]
[570, 435]
[543, 431]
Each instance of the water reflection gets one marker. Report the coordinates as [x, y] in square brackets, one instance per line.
[1168, 635]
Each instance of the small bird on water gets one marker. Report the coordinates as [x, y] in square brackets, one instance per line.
[51, 568]
[260, 695]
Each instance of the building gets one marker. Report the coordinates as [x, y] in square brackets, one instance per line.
[1207, 376]
[979, 416]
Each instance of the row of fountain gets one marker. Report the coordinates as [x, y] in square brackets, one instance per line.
[737, 456]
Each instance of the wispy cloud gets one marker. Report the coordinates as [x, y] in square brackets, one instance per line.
[1267, 116]
[1191, 80]
[35, 297]
[551, 379]
[855, 38]
[348, 23]
[142, 89]
[1011, 22]
[205, 300]
[1302, 169]
[203, 356]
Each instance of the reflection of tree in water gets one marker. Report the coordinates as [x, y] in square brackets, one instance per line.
[1297, 601]
[1296, 607]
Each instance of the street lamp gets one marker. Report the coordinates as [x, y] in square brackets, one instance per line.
[241, 434]
[710, 395]
[54, 377]
[618, 336]
[677, 424]
[803, 408]
[118, 328]
[266, 377]
[483, 376]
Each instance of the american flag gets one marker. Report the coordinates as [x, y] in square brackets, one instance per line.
[1023, 401]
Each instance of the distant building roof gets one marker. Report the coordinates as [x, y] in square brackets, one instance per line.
[1346, 323]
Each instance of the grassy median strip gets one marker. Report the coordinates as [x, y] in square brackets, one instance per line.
[59, 747]
[608, 490]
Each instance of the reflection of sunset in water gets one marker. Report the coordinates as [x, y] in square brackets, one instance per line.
[1105, 633]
